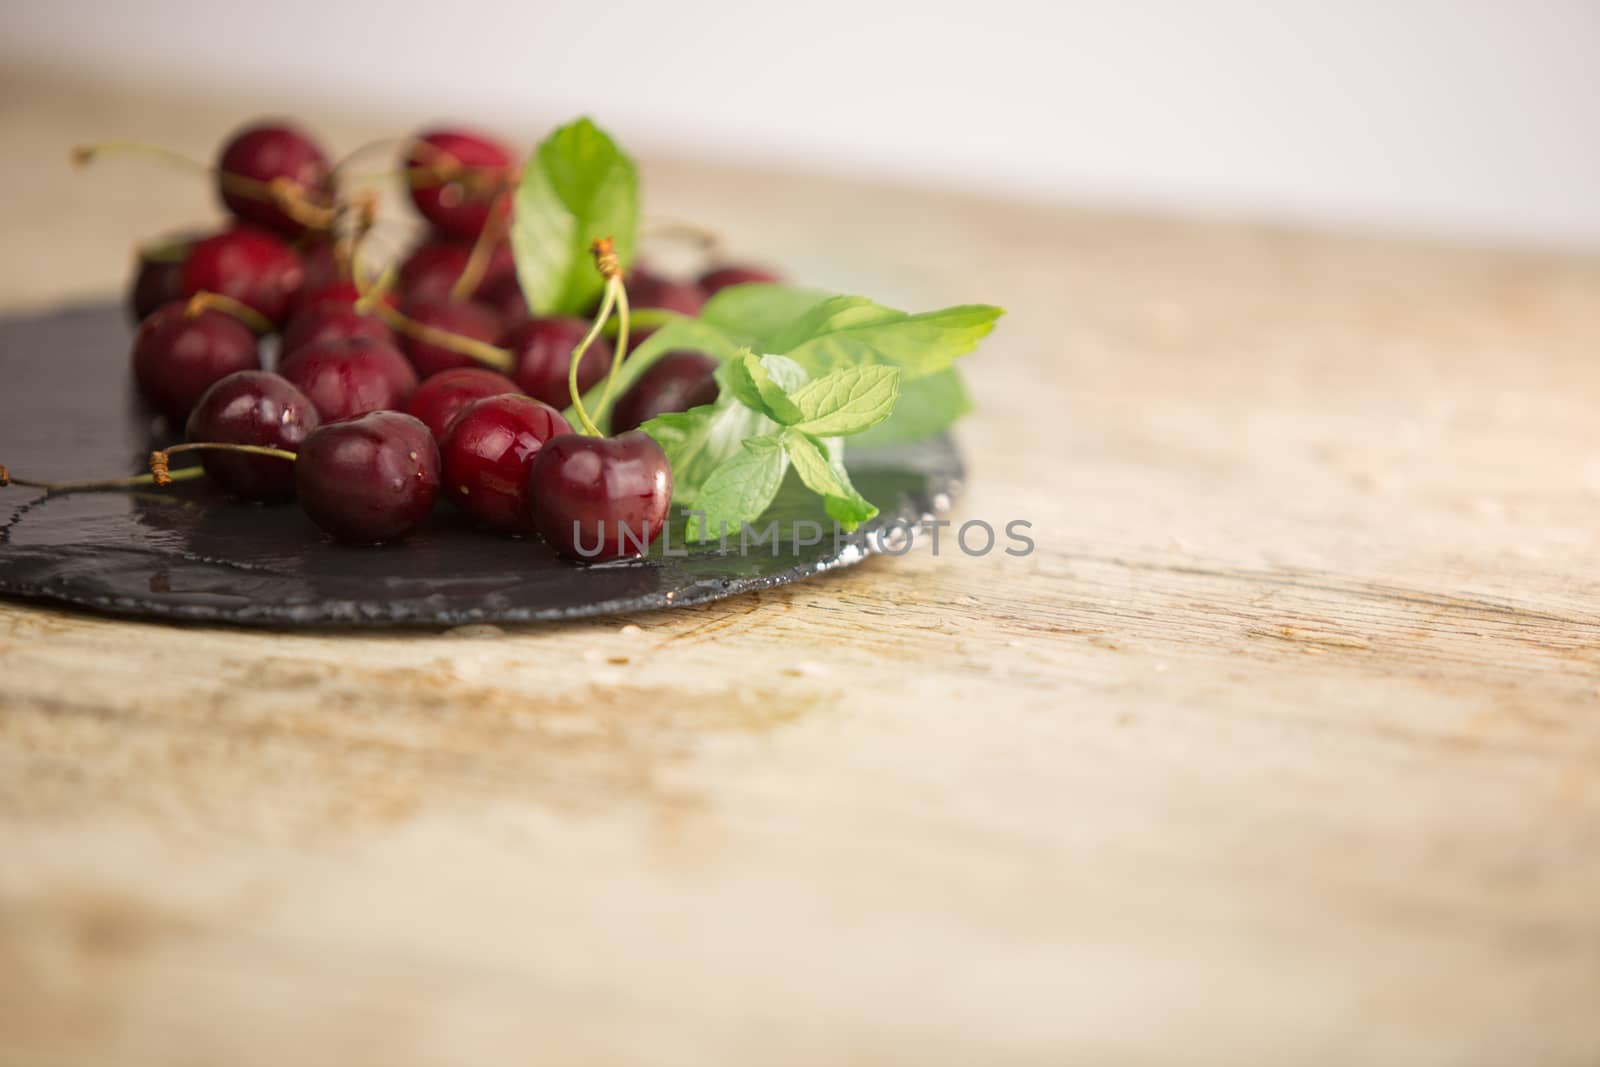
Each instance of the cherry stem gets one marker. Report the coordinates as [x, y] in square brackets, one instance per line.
[482, 351]
[188, 473]
[285, 192]
[493, 232]
[610, 268]
[159, 459]
[204, 301]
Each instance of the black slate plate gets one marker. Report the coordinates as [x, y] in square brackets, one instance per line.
[189, 552]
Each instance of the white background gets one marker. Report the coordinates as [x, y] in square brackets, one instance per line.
[1476, 119]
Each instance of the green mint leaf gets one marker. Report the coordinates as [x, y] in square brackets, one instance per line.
[927, 406]
[822, 470]
[764, 384]
[826, 333]
[739, 489]
[758, 312]
[846, 401]
[577, 186]
[698, 441]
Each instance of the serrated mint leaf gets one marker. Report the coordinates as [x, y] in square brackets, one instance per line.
[821, 468]
[700, 440]
[846, 401]
[927, 406]
[758, 312]
[920, 345]
[739, 489]
[577, 186]
[765, 383]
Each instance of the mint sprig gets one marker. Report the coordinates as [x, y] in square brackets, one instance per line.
[577, 186]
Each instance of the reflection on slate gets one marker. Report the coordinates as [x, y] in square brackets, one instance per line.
[192, 553]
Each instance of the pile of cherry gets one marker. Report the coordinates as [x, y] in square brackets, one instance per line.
[386, 402]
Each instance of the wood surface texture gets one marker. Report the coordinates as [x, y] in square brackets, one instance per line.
[1283, 747]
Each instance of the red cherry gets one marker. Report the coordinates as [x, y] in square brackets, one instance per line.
[248, 264]
[158, 277]
[461, 317]
[486, 454]
[504, 295]
[269, 152]
[600, 498]
[321, 266]
[714, 281]
[177, 356]
[646, 290]
[677, 381]
[461, 206]
[437, 400]
[371, 479]
[430, 271]
[542, 349]
[252, 407]
[347, 379]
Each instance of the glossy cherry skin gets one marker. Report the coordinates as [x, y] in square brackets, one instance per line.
[717, 279]
[460, 207]
[462, 317]
[252, 407]
[675, 382]
[431, 270]
[542, 349]
[600, 498]
[348, 379]
[370, 479]
[437, 400]
[178, 356]
[248, 264]
[267, 152]
[486, 454]
[652, 291]
[331, 321]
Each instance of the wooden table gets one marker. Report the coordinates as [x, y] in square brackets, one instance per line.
[1284, 746]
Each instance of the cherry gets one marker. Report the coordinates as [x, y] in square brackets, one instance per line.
[322, 265]
[331, 321]
[462, 318]
[504, 295]
[273, 154]
[350, 378]
[437, 400]
[647, 290]
[370, 479]
[677, 381]
[431, 270]
[252, 407]
[181, 350]
[158, 279]
[542, 349]
[459, 205]
[486, 454]
[248, 264]
[600, 498]
[717, 279]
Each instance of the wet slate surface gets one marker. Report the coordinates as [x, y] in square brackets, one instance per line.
[191, 553]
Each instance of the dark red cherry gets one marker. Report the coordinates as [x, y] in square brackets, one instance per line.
[600, 498]
[542, 349]
[321, 266]
[158, 276]
[505, 297]
[717, 279]
[370, 479]
[248, 264]
[178, 355]
[430, 271]
[675, 382]
[331, 321]
[647, 290]
[269, 152]
[459, 206]
[437, 400]
[252, 407]
[462, 317]
[348, 379]
[486, 453]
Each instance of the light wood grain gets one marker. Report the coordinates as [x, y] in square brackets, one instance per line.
[1283, 747]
